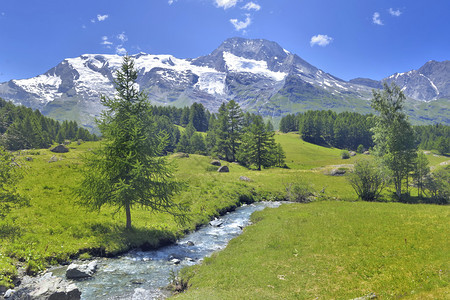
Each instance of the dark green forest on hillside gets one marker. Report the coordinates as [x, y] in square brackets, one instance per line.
[24, 128]
[349, 130]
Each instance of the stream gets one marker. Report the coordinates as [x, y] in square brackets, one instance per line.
[140, 275]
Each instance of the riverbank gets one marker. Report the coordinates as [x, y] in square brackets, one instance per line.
[331, 250]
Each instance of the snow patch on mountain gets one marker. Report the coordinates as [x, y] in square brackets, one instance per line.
[44, 86]
[245, 65]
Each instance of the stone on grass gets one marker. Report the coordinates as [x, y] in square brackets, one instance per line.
[366, 152]
[28, 158]
[223, 169]
[75, 271]
[352, 153]
[60, 149]
[244, 178]
[53, 159]
[216, 163]
[337, 172]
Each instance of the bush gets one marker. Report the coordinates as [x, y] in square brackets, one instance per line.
[368, 180]
[299, 192]
[360, 149]
[438, 186]
[345, 154]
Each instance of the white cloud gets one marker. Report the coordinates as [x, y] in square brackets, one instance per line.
[121, 50]
[239, 25]
[226, 3]
[102, 17]
[321, 40]
[105, 41]
[171, 2]
[376, 18]
[252, 6]
[395, 13]
[122, 37]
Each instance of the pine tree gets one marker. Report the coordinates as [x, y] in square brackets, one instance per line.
[258, 145]
[128, 171]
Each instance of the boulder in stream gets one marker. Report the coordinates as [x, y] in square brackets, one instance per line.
[46, 287]
[75, 271]
[216, 223]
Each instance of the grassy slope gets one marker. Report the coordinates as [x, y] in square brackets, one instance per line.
[54, 228]
[332, 250]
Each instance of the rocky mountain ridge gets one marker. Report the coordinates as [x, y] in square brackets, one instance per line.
[259, 74]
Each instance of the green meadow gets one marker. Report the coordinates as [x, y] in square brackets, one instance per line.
[331, 250]
[53, 228]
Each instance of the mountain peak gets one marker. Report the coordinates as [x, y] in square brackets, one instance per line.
[258, 49]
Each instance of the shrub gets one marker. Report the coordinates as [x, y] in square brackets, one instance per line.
[368, 180]
[345, 154]
[298, 192]
[360, 149]
[438, 186]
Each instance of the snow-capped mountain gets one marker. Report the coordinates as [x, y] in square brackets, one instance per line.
[430, 82]
[259, 74]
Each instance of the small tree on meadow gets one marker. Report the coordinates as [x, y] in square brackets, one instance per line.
[368, 180]
[128, 170]
[258, 146]
[393, 134]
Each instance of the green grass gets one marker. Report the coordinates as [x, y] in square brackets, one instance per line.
[331, 250]
[54, 228]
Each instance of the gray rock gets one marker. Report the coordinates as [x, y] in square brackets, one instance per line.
[366, 297]
[137, 281]
[216, 163]
[53, 159]
[75, 271]
[216, 223]
[60, 149]
[337, 172]
[3, 289]
[47, 287]
[175, 261]
[190, 243]
[9, 293]
[223, 169]
[244, 178]
[28, 158]
[352, 153]
[366, 152]
[190, 259]
[181, 155]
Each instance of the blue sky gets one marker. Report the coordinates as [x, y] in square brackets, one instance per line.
[347, 38]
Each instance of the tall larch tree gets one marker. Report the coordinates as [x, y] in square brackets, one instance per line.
[128, 170]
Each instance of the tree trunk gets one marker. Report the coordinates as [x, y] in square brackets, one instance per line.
[128, 213]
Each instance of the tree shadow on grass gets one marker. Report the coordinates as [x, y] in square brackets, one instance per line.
[115, 239]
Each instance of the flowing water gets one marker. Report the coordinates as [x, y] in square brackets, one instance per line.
[142, 275]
